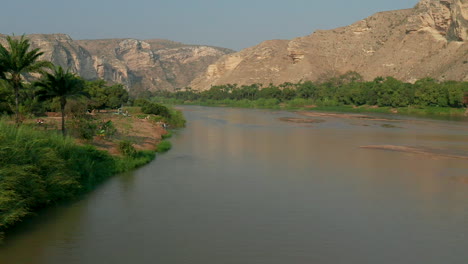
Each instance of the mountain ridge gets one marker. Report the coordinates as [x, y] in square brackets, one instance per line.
[140, 65]
[429, 40]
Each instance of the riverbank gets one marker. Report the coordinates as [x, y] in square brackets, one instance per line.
[39, 167]
[309, 105]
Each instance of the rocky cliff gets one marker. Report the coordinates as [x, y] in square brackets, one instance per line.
[427, 40]
[139, 65]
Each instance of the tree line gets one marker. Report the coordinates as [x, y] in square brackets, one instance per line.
[347, 89]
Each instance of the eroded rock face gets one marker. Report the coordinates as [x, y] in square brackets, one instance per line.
[139, 65]
[448, 18]
[427, 40]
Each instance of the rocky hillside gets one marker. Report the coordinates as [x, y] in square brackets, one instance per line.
[139, 65]
[427, 40]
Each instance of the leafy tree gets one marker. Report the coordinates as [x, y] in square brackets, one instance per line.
[103, 96]
[391, 93]
[430, 93]
[116, 96]
[370, 90]
[249, 91]
[455, 92]
[150, 108]
[356, 91]
[61, 84]
[156, 109]
[288, 93]
[187, 95]
[306, 90]
[270, 92]
[18, 60]
[218, 92]
[95, 90]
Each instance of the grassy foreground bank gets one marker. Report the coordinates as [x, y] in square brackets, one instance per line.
[39, 167]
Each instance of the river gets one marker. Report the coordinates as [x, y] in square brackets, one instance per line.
[242, 187]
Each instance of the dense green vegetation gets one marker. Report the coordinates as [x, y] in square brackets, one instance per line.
[164, 146]
[17, 61]
[103, 96]
[38, 168]
[346, 90]
[38, 165]
[167, 115]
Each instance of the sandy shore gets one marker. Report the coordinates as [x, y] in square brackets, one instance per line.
[347, 116]
[301, 120]
[434, 153]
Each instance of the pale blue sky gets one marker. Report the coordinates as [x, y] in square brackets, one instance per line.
[232, 24]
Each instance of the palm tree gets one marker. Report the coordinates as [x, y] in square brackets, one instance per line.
[2, 71]
[62, 84]
[17, 61]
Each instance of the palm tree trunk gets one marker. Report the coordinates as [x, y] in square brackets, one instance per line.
[63, 102]
[16, 83]
[17, 118]
[63, 121]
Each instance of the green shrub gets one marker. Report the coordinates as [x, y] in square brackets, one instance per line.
[126, 148]
[139, 159]
[156, 109]
[83, 127]
[141, 102]
[107, 129]
[176, 119]
[167, 135]
[164, 146]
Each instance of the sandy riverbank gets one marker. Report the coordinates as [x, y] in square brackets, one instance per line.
[433, 153]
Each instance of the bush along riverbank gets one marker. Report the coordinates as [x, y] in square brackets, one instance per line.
[346, 93]
[40, 168]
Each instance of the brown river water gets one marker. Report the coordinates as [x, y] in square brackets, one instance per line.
[247, 187]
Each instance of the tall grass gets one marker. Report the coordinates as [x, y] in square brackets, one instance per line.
[167, 135]
[164, 146]
[140, 158]
[176, 119]
[39, 168]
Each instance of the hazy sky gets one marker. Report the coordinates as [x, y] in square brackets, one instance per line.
[232, 24]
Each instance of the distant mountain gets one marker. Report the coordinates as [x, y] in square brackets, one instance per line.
[139, 65]
[429, 40]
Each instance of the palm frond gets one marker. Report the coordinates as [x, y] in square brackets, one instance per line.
[39, 67]
[61, 83]
[18, 60]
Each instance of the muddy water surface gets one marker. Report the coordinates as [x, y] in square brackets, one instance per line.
[244, 186]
